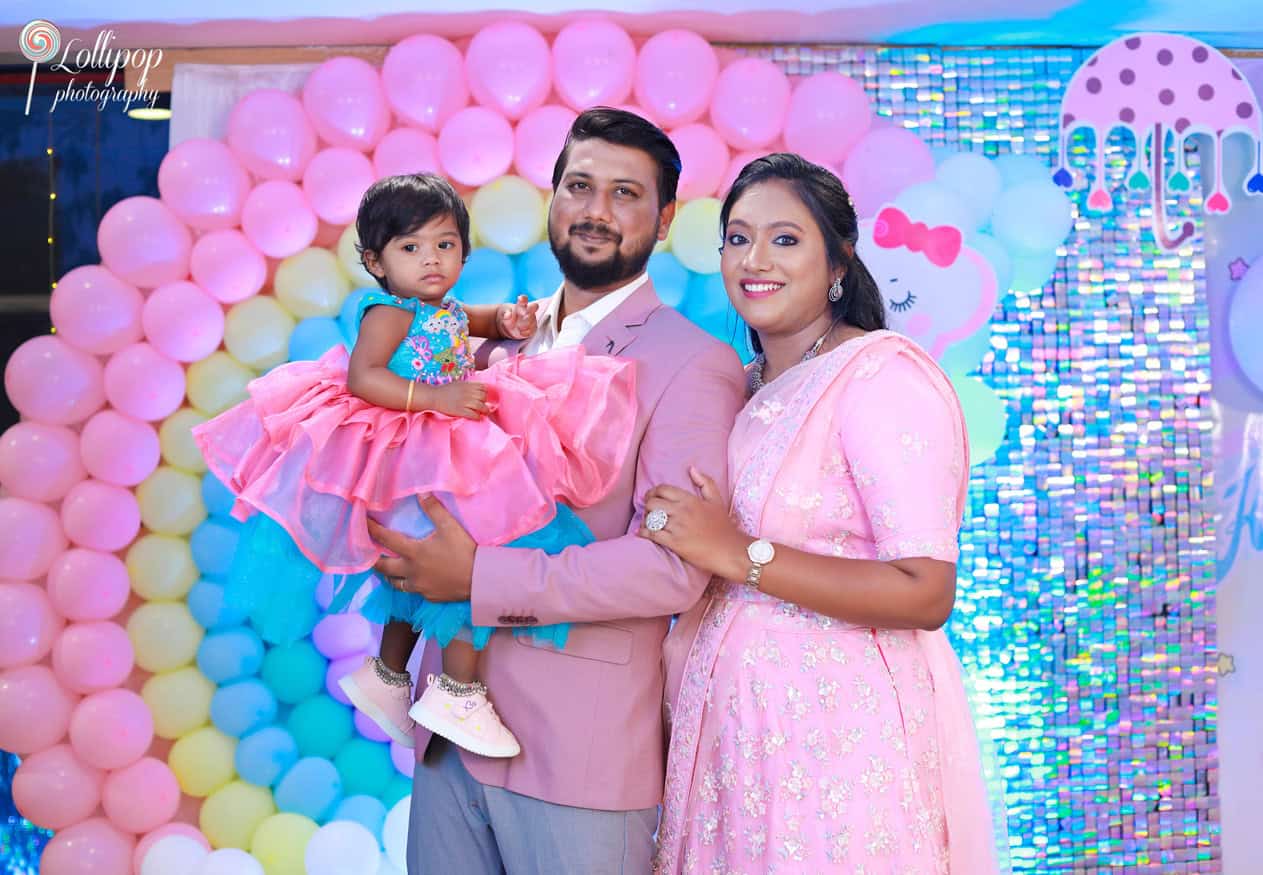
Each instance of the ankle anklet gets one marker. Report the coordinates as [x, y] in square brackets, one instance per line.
[389, 676]
[456, 688]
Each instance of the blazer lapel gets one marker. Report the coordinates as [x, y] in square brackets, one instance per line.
[618, 330]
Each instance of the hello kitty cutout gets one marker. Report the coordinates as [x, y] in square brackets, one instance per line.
[936, 289]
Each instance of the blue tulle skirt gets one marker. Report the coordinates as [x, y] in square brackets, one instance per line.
[275, 584]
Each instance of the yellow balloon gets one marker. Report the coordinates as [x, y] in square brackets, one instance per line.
[232, 813]
[349, 260]
[164, 636]
[179, 701]
[509, 214]
[171, 501]
[217, 382]
[175, 436]
[256, 332]
[202, 761]
[280, 843]
[310, 283]
[695, 235]
[161, 567]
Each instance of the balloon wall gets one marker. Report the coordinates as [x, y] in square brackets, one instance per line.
[159, 732]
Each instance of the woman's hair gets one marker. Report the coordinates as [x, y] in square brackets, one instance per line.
[824, 196]
[624, 128]
[399, 205]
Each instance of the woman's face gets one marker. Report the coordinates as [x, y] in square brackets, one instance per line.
[775, 267]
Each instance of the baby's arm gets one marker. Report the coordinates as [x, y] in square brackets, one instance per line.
[514, 321]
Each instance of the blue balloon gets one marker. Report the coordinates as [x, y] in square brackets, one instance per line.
[1016, 168]
[216, 496]
[670, 278]
[312, 787]
[370, 813]
[242, 707]
[997, 256]
[213, 544]
[313, 337]
[263, 756]
[538, 274]
[207, 605]
[348, 319]
[486, 279]
[230, 655]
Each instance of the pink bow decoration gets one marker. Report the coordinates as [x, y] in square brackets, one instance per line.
[940, 245]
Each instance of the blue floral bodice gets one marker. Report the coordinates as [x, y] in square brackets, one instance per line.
[436, 350]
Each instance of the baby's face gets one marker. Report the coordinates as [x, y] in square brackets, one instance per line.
[424, 263]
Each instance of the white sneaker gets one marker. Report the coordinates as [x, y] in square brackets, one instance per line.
[468, 721]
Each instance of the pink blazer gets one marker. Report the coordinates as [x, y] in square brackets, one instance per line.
[589, 717]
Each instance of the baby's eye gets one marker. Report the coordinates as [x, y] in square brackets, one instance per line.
[446, 244]
[410, 247]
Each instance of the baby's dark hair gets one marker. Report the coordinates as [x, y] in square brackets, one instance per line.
[399, 205]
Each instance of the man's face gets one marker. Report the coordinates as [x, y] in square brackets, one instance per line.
[604, 220]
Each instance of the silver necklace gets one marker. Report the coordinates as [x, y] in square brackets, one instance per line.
[760, 361]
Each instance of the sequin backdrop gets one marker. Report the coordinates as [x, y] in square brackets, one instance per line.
[1085, 620]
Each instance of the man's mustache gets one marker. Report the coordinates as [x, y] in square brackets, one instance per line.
[596, 230]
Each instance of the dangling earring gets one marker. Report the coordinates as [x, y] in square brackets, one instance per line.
[835, 290]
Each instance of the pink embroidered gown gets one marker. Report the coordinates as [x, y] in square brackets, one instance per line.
[800, 743]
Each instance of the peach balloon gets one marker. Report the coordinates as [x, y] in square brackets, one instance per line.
[142, 382]
[34, 709]
[94, 847]
[144, 243]
[100, 516]
[28, 624]
[111, 729]
[54, 788]
[31, 537]
[228, 266]
[183, 322]
[142, 796]
[50, 381]
[406, 150]
[119, 449]
[85, 585]
[39, 462]
[89, 657]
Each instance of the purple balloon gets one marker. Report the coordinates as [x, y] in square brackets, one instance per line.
[340, 635]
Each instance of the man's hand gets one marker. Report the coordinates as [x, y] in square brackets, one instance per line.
[439, 567]
[517, 321]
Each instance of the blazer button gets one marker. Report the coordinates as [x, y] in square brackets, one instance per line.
[530, 621]
[504, 620]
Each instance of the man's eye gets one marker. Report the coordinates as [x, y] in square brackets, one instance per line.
[578, 186]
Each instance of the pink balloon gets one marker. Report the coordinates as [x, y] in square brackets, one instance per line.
[50, 381]
[884, 163]
[88, 584]
[94, 847]
[538, 140]
[278, 219]
[638, 110]
[171, 829]
[828, 114]
[346, 103]
[95, 310]
[100, 516]
[203, 183]
[749, 104]
[89, 657]
[406, 150]
[144, 243]
[39, 462]
[675, 76]
[334, 183]
[183, 322]
[141, 797]
[119, 449]
[338, 669]
[111, 729]
[476, 146]
[228, 266]
[424, 80]
[28, 624]
[54, 789]
[144, 383]
[34, 709]
[366, 727]
[594, 63]
[269, 133]
[31, 537]
[703, 160]
[737, 164]
[509, 68]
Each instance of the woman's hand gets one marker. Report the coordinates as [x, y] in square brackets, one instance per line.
[699, 529]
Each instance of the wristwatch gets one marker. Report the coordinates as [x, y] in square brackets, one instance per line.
[760, 553]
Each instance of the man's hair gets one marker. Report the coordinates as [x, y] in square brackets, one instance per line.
[624, 128]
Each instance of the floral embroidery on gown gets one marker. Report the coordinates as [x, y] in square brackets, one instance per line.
[801, 743]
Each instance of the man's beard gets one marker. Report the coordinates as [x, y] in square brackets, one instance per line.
[616, 269]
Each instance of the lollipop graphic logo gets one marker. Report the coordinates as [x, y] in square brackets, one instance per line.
[39, 41]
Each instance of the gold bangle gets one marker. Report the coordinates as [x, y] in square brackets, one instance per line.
[407, 407]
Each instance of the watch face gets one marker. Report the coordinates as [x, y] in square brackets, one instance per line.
[761, 552]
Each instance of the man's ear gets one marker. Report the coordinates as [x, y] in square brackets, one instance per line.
[665, 217]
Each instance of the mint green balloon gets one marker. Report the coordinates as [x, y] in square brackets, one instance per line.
[398, 788]
[986, 417]
[321, 726]
[294, 672]
[365, 767]
[966, 355]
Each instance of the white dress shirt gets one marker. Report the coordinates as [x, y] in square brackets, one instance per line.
[575, 327]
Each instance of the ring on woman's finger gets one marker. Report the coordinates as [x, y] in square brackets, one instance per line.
[656, 520]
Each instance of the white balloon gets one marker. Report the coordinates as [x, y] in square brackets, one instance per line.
[229, 861]
[395, 833]
[342, 847]
[173, 854]
[975, 179]
[935, 204]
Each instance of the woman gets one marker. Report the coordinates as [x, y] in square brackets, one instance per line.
[818, 717]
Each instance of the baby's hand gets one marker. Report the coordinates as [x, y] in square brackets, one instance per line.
[465, 398]
[517, 321]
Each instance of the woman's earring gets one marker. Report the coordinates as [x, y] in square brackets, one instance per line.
[835, 290]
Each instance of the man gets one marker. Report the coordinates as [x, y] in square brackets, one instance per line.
[582, 796]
